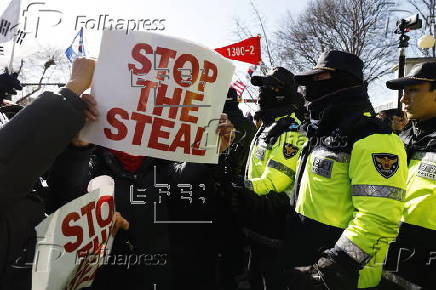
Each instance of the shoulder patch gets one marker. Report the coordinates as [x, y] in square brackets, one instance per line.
[322, 167]
[385, 163]
[427, 170]
[289, 150]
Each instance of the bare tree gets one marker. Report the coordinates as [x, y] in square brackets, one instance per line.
[355, 26]
[46, 65]
[259, 27]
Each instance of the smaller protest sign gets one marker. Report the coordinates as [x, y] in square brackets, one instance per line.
[74, 240]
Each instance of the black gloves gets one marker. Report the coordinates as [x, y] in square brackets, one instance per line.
[9, 83]
[334, 270]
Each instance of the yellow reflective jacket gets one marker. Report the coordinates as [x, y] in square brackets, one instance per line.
[419, 208]
[360, 191]
[411, 256]
[271, 165]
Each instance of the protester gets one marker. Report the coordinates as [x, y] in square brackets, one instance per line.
[232, 245]
[394, 118]
[29, 143]
[349, 185]
[410, 263]
[399, 122]
[256, 119]
[169, 254]
[386, 116]
[237, 155]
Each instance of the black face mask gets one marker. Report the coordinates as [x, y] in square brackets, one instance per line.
[318, 89]
[268, 98]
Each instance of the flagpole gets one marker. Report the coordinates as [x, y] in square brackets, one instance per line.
[239, 79]
[245, 89]
[11, 61]
[12, 55]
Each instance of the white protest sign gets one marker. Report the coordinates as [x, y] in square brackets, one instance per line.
[74, 241]
[158, 96]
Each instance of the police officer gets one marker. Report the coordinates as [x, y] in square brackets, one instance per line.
[349, 185]
[270, 174]
[275, 145]
[411, 258]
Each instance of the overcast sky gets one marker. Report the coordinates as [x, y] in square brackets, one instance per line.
[209, 22]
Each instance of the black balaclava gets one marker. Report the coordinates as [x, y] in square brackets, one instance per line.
[277, 94]
[339, 80]
[274, 104]
[269, 98]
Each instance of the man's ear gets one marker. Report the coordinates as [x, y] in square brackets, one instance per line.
[433, 100]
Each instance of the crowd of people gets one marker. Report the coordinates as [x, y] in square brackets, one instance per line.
[317, 192]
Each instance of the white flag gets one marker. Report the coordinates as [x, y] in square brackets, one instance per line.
[9, 21]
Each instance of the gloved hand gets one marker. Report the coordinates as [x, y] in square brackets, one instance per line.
[9, 83]
[306, 278]
[334, 270]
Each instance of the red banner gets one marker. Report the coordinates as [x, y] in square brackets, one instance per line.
[247, 50]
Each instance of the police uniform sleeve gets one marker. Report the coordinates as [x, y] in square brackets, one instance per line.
[378, 172]
[280, 168]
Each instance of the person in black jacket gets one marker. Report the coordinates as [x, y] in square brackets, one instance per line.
[237, 155]
[29, 143]
[232, 245]
[169, 205]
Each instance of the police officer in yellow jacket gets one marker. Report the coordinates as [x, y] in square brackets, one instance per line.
[411, 262]
[269, 177]
[274, 150]
[350, 182]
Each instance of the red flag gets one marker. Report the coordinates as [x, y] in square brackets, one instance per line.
[247, 50]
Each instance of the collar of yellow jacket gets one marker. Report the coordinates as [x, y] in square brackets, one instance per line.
[292, 115]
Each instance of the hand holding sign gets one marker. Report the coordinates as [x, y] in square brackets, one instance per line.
[118, 222]
[80, 80]
[81, 75]
[226, 131]
[91, 114]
